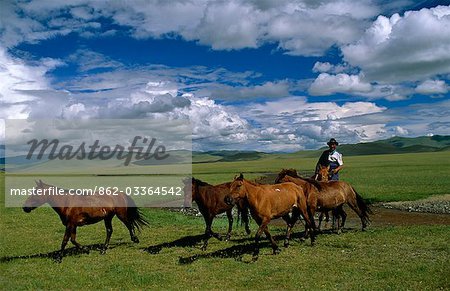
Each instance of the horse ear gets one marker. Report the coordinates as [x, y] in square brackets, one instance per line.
[241, 176]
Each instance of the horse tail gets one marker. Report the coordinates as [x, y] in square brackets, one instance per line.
[238, 217]
[242, 215]
[134, 215]
[364, 207]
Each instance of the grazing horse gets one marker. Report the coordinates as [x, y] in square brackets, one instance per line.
[210, 200]
[101, 207]
[332, 196]
[267, 202]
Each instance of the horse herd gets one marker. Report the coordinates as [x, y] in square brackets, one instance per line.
[290, 197]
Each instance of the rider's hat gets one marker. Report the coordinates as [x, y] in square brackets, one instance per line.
[332, 141]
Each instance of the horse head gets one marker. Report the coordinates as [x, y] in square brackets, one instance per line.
[37, 198]
[323, 174]
[237, 190]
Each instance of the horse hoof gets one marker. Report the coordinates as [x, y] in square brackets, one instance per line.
[276, 251]
[286, 244]
[254, 258]
[102, 251]
[135, 240]
[248, 231]
[227, 238]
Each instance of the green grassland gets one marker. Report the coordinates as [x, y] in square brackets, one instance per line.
[405, 258]
[377, 177]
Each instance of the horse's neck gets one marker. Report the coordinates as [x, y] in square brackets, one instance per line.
[251, 190]
[56, 202]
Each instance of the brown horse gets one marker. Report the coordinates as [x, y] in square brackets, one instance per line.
[267, 202]
[104, 207]
[210, 200]
[332, 196]
[323, 175]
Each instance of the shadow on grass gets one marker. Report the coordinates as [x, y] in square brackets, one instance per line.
[72, 251]
[246, 246]
[187, 241]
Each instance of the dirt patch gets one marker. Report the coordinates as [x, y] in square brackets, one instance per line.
[394, 217]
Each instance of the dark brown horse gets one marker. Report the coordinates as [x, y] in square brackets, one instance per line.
[210, 200]
[267, 202]
[332, 196]
[102, 207]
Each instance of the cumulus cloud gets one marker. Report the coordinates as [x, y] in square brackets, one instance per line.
[22, 84]
[300, 27]
[432, 87]
[327, 84]
[411, 47]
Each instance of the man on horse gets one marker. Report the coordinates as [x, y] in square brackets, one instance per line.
[331, 158]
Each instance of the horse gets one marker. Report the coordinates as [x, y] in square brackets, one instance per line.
[102, 207]
[323, 175]
[210, 200]
[267, 202]
[332, 196]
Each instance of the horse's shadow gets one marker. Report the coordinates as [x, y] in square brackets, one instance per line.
[245, 246]
[187, 241]
[72, 251]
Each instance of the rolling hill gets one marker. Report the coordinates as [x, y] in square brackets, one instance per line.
[394, 145]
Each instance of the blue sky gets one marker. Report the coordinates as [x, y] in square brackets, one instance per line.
[269, 75]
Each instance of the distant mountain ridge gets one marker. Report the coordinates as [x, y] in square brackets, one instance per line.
[393, 145]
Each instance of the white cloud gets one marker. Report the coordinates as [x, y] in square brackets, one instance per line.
[327, 84]
[300, 28]
[432, 87]
[412, 47]
[22, 84]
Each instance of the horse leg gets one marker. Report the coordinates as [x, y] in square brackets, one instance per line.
[327, 218]
[262, 226]
[337, 220]
[59, 255]
[208, 232]
[275, 248]
[290, 222]
[109, 231]
[230, 224]
[75, 243]
[311, 212]
[342, 215]
[308, 222]
[289, 225]
[320, 221]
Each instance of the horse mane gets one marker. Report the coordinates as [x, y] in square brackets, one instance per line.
[254, 183]
[200, 182]
[294, 174]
